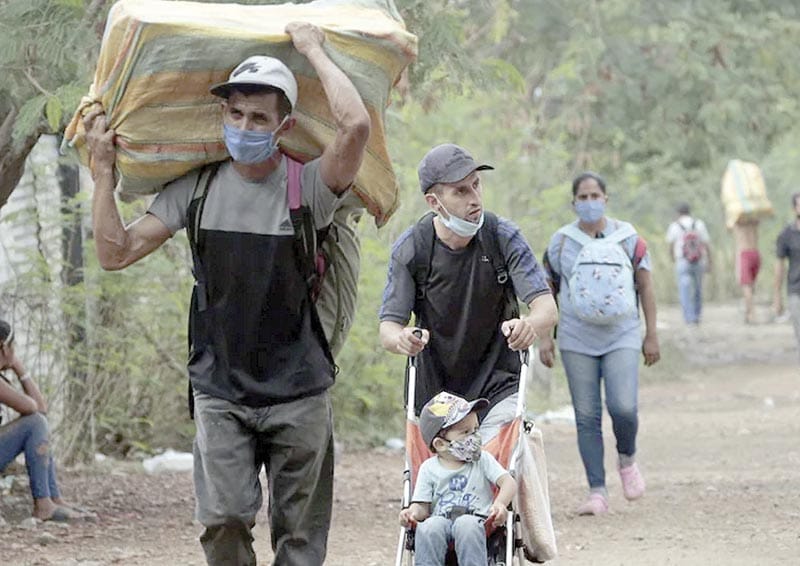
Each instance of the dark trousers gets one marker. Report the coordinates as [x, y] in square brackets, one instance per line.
[294, 442]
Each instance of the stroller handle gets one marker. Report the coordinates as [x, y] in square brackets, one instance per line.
[411, 373]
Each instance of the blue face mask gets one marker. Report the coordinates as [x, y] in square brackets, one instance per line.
[250, 147]
[590, 211]
[461, 227]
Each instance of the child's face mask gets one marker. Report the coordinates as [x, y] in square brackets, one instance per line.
[467, 449]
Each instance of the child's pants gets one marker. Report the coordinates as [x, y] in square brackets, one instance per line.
[435, 533]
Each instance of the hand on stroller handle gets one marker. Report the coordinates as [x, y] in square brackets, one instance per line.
[412, 340]
[520, 332]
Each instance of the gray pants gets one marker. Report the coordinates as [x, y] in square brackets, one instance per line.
[294, 442]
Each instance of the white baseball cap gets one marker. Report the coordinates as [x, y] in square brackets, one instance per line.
[260, 70]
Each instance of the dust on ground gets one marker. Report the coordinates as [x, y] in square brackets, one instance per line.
[719, 445]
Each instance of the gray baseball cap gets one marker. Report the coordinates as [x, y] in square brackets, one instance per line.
[446, 163]
[444, 410]
[260, 70]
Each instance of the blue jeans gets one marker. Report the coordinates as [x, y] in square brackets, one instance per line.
[690, 289]
[619, 371]
[435, 533]
[30, 434]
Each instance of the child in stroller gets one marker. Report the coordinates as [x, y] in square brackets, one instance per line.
[453, 499]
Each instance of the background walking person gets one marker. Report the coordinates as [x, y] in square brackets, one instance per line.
[787, 250]
[597, 264]
[690, 250]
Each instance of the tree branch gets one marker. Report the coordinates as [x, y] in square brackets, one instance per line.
[35, 83]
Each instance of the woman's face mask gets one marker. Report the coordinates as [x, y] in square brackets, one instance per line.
[468, 449]
[463, 228]
[248, 147]
[590, 211]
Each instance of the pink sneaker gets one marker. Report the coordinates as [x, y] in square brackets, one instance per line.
[632, 482]
[597, 504]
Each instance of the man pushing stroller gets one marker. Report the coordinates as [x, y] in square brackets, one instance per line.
[462, 270]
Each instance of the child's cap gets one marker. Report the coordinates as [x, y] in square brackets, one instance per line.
[445, 410]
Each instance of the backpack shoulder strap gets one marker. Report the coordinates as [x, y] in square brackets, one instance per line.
[194, 216]
[195, 211]
[487, 239]
[574, 233]
[639, 251]
[489, 243]
[301, 217]
[424, 237]
[621, 234]
[306, 243]
[692, 227]
[294, 182]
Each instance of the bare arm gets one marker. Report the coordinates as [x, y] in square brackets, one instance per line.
[415, 513]
[21, 403]
[647, 296]
[342, 158]
[29, 402]
[118, 245]
[400, 339]
[507, 490]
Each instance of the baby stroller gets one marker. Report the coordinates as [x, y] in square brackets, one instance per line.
[504, 543]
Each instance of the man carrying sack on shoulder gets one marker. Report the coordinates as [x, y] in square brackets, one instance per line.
[260, 388]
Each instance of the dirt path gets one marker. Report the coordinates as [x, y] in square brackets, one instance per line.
[719, 446]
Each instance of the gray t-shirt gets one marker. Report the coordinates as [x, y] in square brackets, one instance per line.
[254, 339]
[574, 334]
[235, 204]
[469, 486]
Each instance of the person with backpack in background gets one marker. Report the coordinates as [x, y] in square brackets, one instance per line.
[461, 271]
[690, 250]
[259, 364]
[600, 269]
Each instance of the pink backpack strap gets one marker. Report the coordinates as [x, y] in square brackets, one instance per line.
[639, 252]
[294, 183]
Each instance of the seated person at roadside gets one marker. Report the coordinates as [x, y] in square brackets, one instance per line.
[29, 434]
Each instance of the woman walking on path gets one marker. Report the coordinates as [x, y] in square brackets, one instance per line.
[600, 269]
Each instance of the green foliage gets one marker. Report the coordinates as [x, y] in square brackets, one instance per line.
[43, 53]
[368, 395]
[126, 390]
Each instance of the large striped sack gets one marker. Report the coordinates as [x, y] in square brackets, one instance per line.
[744, 194]
[158, 59]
